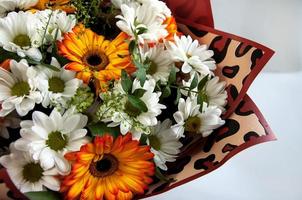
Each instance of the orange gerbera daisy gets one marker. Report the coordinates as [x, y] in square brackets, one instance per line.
[56, 5]
[109, 169]
[94, 57]
[171, 28]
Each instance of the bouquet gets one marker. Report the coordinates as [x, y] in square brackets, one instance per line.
[119, 99]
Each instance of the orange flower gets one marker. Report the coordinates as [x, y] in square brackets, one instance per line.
[109, 169]
[94, 57]
[56, 5]
[5, 64]
[171, 28]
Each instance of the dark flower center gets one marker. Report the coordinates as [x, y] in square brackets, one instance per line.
[96, 61]
[104, 167]
[22, 40]
[56, 141]
[32, 172]
[20, 89]
[153, 68]
[56, 85]
[193, 124]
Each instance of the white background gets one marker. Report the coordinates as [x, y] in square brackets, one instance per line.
[269, 171]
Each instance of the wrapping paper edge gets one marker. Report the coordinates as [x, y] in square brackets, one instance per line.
[266, 138]
[268, 53]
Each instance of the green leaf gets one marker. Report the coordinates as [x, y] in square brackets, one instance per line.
[166, 92]
[138, 64]
[43, 195]
[137, 103]
[101, 128]
[141, 30]
[172, 76]
[200, 100]
[132, 46]
[203, 82]
[160, 176]
[139, 93]
[194, 82]
[143, 139]
[141, 75]
[8, 55]
[178, 96]
[126, 82]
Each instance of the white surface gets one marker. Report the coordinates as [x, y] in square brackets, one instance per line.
[274, 23]
[269, 171]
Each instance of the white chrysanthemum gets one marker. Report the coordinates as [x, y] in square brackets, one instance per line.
[27, 174]
[18, 34]
[57, 88]
[49, 138]
[149, 15]
[192, 56]
[120, 112]
[190, 119]
[161, 62]
[214, 93]
[10, 121]
[7, 6]
[164, 144]
[57, 23]
[18, 89]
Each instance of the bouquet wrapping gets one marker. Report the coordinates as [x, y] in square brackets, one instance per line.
[238, 62]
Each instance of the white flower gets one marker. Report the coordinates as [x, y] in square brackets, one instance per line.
[7, 6]
[57, 23]
[118, 109]
[190, 119]
[10, 121]
[164, 144]
[27, 174]
[192, 56]
[57, 88]
[149, 15]
[161, 62]
[49, 138]
[18, 89]
[214, 93]
[18, 31]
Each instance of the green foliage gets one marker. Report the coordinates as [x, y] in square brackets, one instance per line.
[139, 93]
[203, 82]
[47, 195]
[83, 99]
[126, 82]
[194, 82]
[137, 103]
[100, 129]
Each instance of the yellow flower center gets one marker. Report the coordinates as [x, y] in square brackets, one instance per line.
[193, 124]
[56, 141]
[153, 68]
[154, 142]
[104, 167]
[32, 172]
[96, 60]
[20, 89]
[56, 85]
[22, 40]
